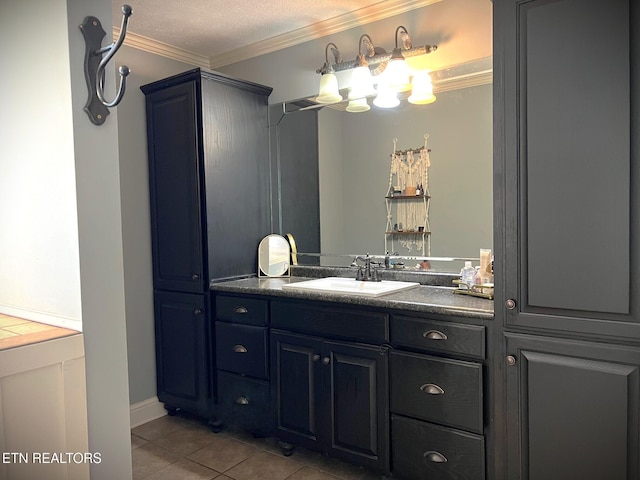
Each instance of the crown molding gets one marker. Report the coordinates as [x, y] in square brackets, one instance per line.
[468, 74]
[333, 25]
[149, 45]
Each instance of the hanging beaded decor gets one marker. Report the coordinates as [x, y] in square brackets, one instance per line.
[408, 218]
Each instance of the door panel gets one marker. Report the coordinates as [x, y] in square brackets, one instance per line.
[175, 189]
[355, 378]
[296, 379]
[182, 334]
[572, 409]
[570, 205]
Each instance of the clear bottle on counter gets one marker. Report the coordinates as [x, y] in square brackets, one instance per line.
[468, 274]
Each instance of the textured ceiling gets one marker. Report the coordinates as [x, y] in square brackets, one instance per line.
[215, 29]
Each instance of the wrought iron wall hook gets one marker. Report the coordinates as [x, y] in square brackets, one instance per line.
[95, 61]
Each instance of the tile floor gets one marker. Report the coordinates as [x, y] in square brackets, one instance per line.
[15, 332]
[183, 447]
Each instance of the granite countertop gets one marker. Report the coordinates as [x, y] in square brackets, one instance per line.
[424, 298]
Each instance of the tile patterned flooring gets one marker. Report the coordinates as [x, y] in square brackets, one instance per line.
[15, 332]
[184, 447]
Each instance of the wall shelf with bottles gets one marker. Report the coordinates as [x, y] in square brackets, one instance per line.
[408, 199]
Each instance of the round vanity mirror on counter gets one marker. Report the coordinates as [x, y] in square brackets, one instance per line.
[273, 256]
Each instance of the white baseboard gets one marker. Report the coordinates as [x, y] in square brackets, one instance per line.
[145, 411]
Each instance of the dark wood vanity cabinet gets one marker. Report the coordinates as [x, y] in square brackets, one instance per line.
[183, 359]
[437, 399]
[242, 363]
[330, 389]
[566, 239]
[573, 409]
[208, 150]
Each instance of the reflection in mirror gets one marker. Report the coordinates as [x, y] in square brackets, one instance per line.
[273, 256]
[334, 171]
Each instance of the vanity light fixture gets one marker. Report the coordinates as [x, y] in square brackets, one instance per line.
[393, 73]
[329, 92]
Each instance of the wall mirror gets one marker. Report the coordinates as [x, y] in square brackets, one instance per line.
[331, 174]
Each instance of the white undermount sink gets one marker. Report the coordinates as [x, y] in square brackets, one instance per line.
[350, 286]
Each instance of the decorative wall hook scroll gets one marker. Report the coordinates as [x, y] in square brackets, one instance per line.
[95, 62]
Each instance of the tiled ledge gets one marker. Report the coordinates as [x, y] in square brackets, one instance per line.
[16, 332]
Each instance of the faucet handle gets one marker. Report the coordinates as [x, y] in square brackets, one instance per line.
[375, 275]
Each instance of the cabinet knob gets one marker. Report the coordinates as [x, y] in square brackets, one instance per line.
[195, 276]
[316, 357]
[432, 389]
[434, 335]
[240, 310]
[511, 360]
[326, 360]
[435, 457]
[510, 303]
[240, 349]
[197, 311]
[242, 401]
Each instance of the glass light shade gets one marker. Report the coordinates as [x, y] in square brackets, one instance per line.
[329, 92]
[358, 105]
[387, 97]
[422, 89]
[397, 73]
[361, 83]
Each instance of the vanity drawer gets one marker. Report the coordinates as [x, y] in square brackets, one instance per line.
[242, 349]
[438, 336]
[358, 325]
[421, 450]
[448, 392]
[244, 402]
[249, 311]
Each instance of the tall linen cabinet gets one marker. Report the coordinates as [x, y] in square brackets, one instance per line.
[567, 220]
[208, 147]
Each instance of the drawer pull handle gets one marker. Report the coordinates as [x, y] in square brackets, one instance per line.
[326, 360]
[316, 357]
[434, 335]
[240, 310]
[242, 401]
[432, 389]
[197, 311]
[240, 349]
[435, 457]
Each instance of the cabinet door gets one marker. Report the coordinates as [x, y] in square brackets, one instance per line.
[175, 189]
[573, 410]
[355, 381]
[182, 350]
[295, 378]
[564, 128]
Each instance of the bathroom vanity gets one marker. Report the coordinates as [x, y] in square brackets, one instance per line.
[394, 383]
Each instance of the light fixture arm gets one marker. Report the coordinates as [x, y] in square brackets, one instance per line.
[406, 42]
[367, 42]
[337, 58]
